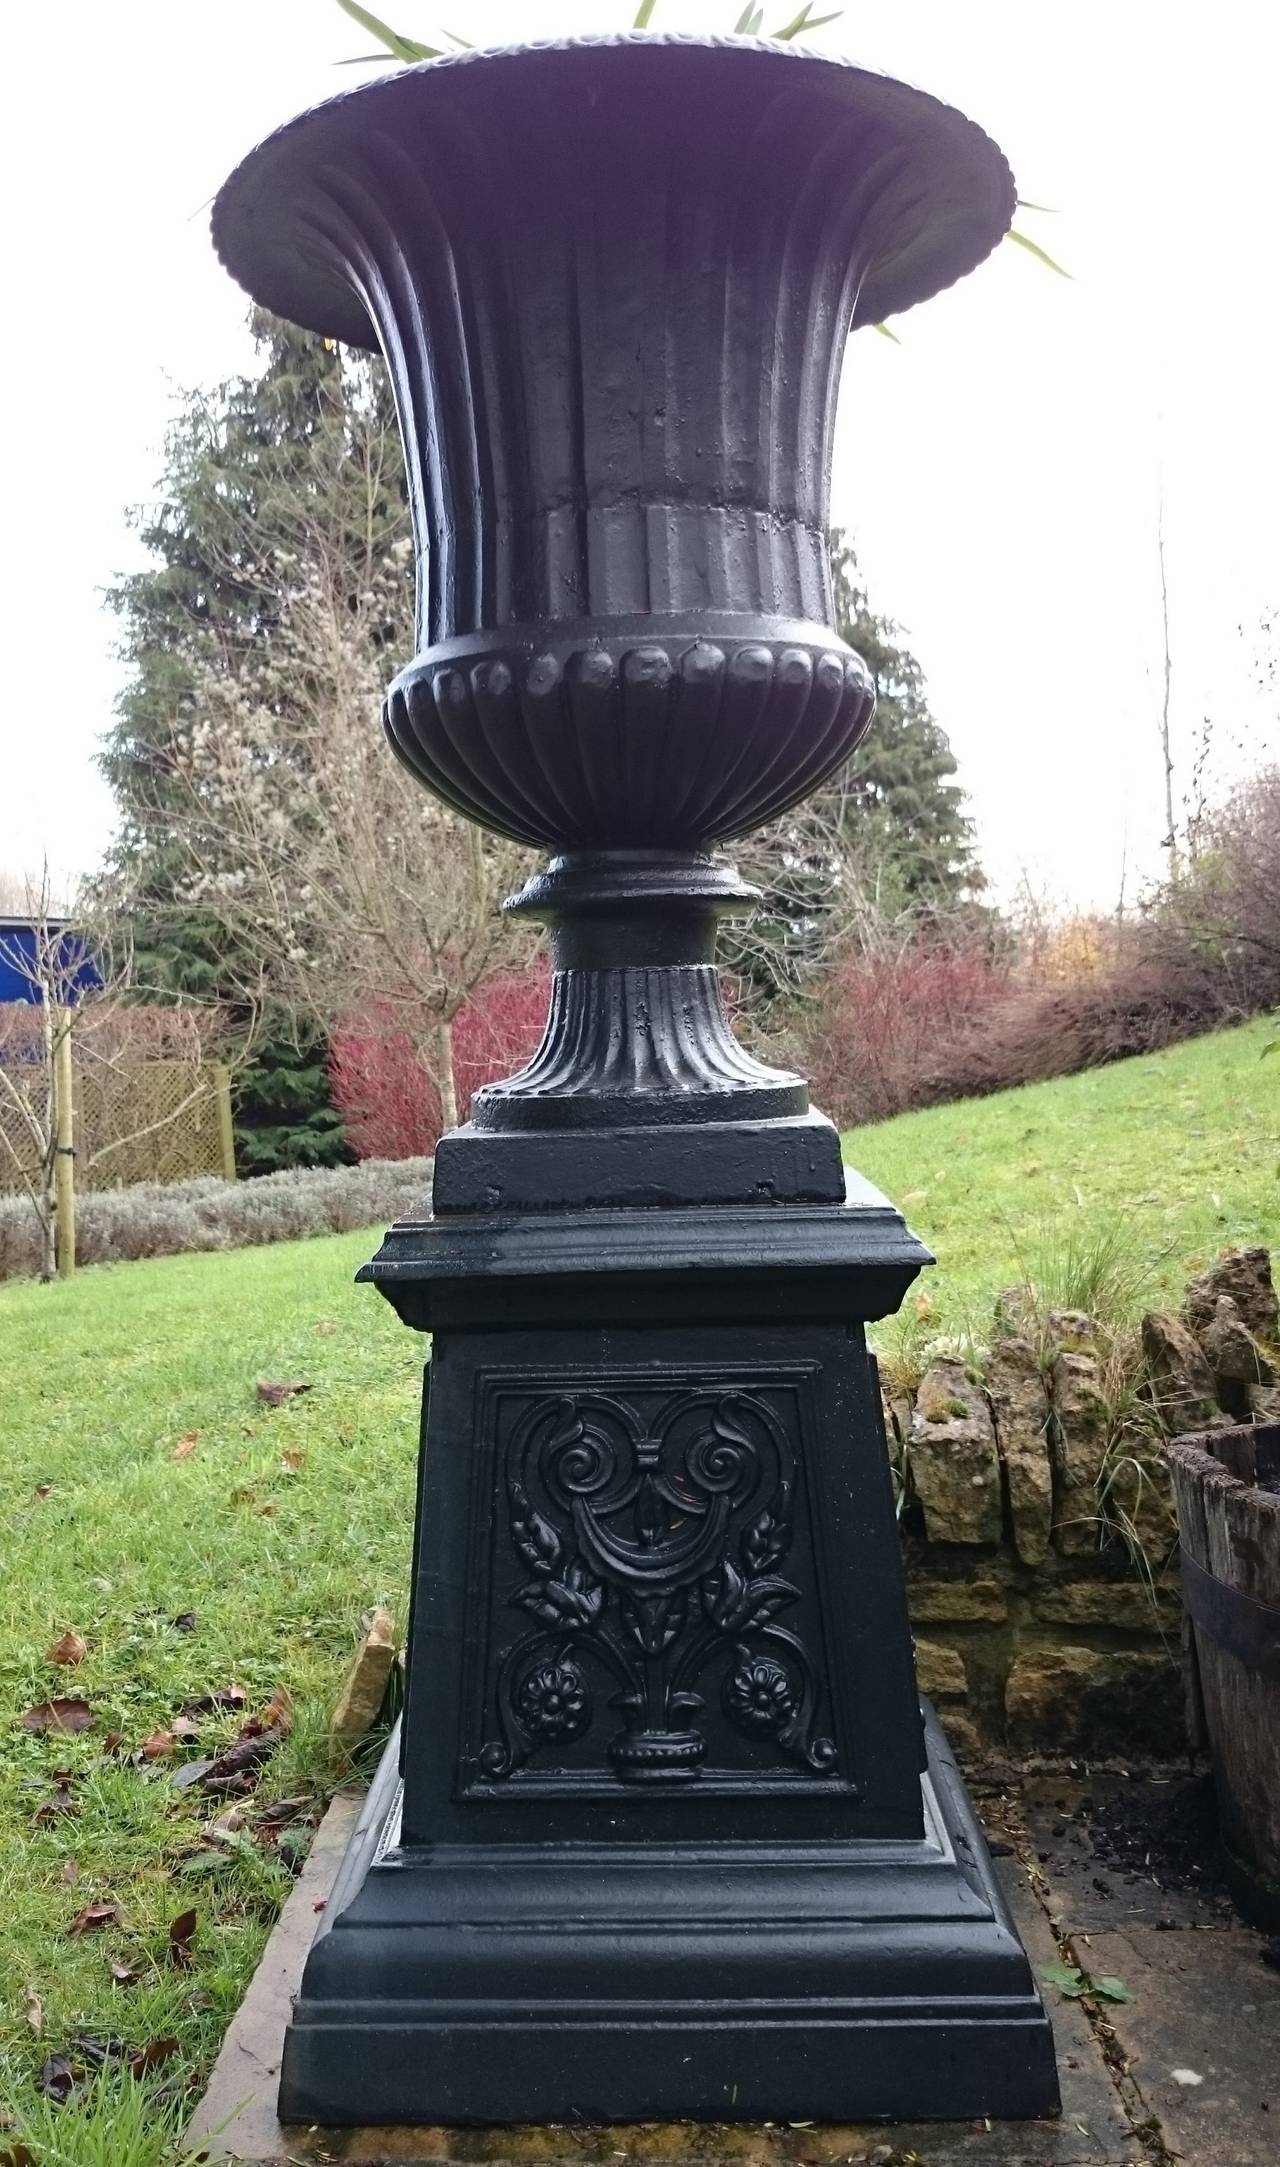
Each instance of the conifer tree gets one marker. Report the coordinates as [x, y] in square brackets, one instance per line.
[900, 791]
[257, 448]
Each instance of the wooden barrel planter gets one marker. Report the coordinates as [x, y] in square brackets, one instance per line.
[1227, 1485]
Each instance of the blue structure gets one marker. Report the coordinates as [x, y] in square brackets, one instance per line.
[20, 939]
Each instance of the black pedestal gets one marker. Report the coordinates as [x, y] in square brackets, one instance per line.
[663, 1838]
[823, 1981]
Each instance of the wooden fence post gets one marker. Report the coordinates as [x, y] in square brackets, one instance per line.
[226, 1133]
[64, 1158]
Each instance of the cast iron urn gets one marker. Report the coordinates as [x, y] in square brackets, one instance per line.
[666, 1832]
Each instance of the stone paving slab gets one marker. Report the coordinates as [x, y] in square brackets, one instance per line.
[237, 2121]
[1200, 2039]
[1203, 2037]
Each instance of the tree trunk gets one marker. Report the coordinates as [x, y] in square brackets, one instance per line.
[64, 1162]
[47, 1204]
[46, 1212]
[445, 1082]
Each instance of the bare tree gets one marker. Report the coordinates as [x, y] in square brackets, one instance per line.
[1166, 752]
[76, 992]
[832, 887]
[340, 882]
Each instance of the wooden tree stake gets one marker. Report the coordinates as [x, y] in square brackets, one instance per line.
[64, 1161]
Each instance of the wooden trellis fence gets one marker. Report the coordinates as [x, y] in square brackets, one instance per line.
[150, 1120]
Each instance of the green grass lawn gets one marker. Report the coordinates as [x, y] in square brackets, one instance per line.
[277, 1531]
[281, 1526]
[1180, 1151]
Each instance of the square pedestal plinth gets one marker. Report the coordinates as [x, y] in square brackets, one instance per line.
[664, 1837]
[824, 1982]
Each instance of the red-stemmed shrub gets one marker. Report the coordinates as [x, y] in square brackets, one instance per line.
[933, 1022]
[497, 1030]
[390, 1107]
[880, 1024]
[390, 1103]
[1036, 1032]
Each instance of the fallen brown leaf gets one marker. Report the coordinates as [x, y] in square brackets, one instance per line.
[43, 1489]
[185, 1622]
[61, 1802]
[273, 1393]
[105, 2054]
[58, 1715]
[158, 1746]
[113, 1741]
[150, 2056]
[33, 2009]
[210, 1704]
[92, 1917]
[292, 1461]
[59, 2076]
[99, 2053]
[279, 1814]
[70, 1873]
[123, 1974]
[233, 1768]
[185, 1446]
[277, 1715]
[71, 1649]
[181, 1935]
[189, 1773]
[183, 1727]
[18, 2155]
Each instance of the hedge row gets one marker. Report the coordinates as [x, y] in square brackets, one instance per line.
[116, 1226]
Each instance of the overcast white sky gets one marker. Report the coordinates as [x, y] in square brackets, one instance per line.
[1000, 470]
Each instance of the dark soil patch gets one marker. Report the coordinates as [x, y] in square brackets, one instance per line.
[1166, 1832]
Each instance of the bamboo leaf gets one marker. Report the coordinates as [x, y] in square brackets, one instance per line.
[886, 333]
[804, 21]
[1033, 248]
[1046, 210]
[464, 44]
[403, 48]
[643, 12]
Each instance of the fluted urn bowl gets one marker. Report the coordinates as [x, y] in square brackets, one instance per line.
[613, 280]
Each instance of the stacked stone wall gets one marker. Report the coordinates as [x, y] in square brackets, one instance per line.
[1038, 1522]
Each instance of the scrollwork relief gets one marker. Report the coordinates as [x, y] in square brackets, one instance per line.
[651, 1544]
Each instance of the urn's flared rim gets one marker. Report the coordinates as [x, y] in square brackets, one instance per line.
[961, 179]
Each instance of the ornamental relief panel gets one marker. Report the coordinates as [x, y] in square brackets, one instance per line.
[651, 1541]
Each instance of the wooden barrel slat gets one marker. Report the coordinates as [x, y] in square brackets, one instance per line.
[1231, 1529]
